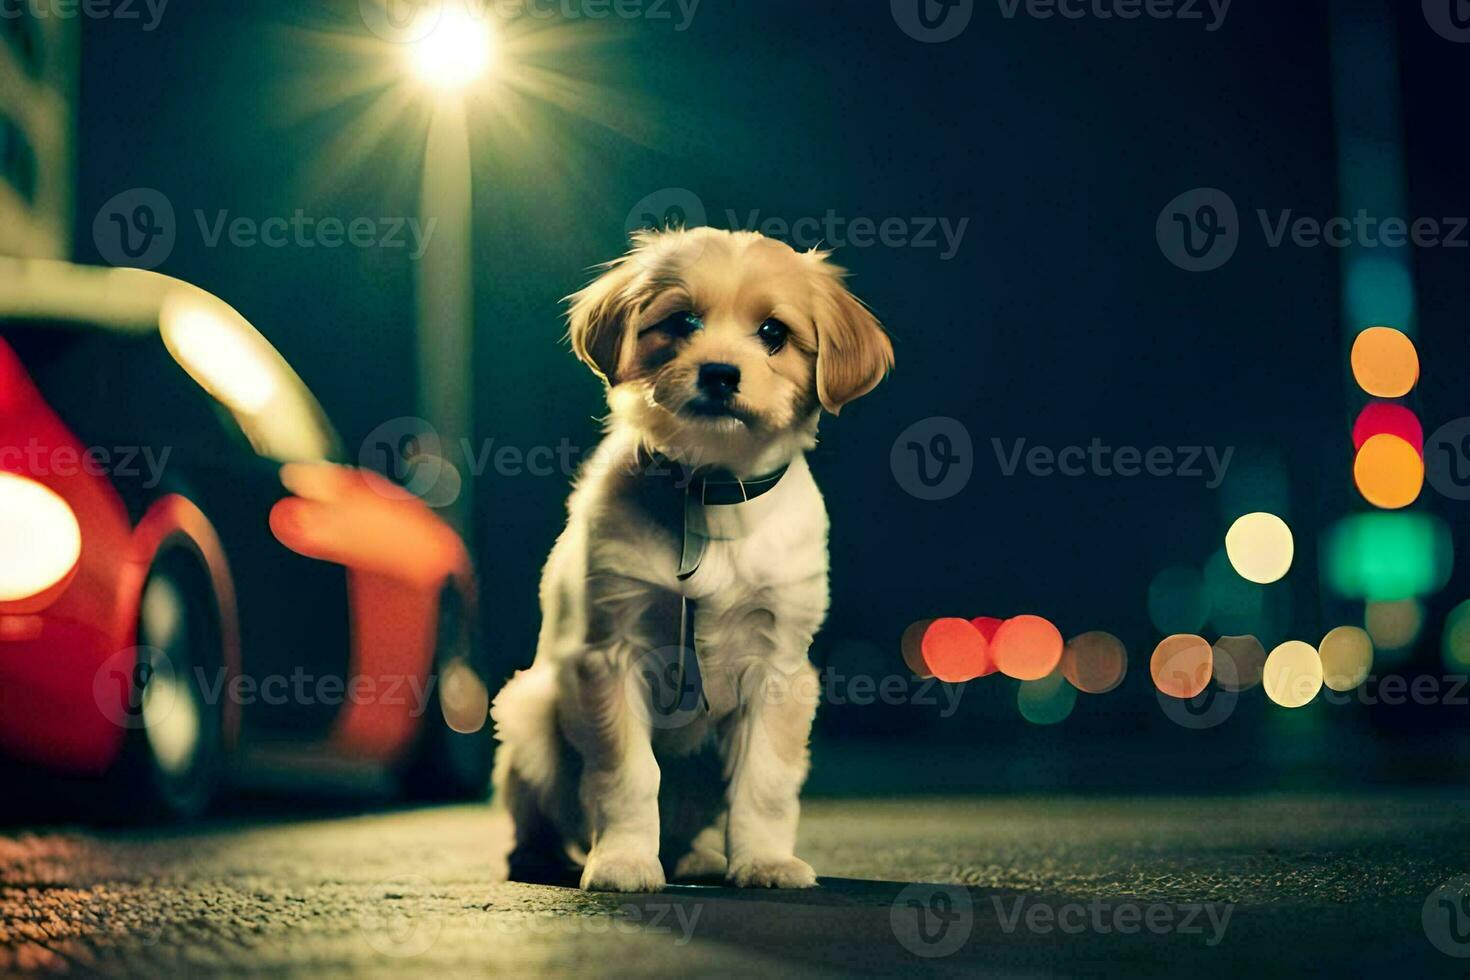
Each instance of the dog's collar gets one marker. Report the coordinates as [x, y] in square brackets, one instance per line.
[711, 487]
[701, 489]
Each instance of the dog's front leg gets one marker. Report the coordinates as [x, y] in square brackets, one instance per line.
[620, 777]
[766, 758]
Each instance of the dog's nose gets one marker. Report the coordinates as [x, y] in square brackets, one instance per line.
[719, 380]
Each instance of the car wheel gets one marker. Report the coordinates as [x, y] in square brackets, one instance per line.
[171, 751]
[452, 758]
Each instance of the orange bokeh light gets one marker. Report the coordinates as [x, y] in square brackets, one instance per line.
[1026, 648]
[987, 625]
[1385, 363]
[954, 651]
[1379, 418]
[1182, 665]
[1389, 472]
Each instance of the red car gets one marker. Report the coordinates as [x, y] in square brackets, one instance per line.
[190, 579]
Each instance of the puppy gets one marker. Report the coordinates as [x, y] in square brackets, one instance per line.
[665, 721]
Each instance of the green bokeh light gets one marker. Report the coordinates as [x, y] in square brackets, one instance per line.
[1047, 701]
[1387, 557]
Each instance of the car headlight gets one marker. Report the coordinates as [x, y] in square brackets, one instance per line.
[40, 540]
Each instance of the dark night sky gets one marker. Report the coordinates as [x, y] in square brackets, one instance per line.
[1057, 321]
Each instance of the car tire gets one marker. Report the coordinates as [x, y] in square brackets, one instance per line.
[451, 759]
[171, 751]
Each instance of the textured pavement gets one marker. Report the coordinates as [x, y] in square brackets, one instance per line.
[1050, 885]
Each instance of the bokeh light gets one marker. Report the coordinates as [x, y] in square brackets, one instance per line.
[1047, 700]
[1094, 662]
[987, 625]
[1388, 418]
[1394, 625]
[1293, 674]
[1027, 648]
[1385, 363]
[1389, 472]
[1177, 600]
[954, 651]
[1239, 662]
[1456, 642]
[912, 646]
[1260, 547]
[1182, 665]
[1347, 657]
[1386, 557]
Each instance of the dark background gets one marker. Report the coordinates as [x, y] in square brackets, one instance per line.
[1059, 320]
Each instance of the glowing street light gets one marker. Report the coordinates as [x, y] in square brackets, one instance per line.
[457, 50]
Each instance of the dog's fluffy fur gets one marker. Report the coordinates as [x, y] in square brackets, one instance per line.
[584, 767]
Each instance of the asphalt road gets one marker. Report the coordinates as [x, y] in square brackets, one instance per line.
[1017, 886]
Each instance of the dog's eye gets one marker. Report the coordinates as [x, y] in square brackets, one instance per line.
[773, 334]
[681, 324]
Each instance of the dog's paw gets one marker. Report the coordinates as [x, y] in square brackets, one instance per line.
[787, 872]
[701, 863]
[614, 872]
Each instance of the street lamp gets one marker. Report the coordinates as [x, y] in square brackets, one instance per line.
[456, 51]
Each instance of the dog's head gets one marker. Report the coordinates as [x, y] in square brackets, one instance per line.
[718, 345]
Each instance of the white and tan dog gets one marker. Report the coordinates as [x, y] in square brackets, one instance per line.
[720, 350]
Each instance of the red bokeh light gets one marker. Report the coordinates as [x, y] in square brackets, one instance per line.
[987, 625]
[1378, 418]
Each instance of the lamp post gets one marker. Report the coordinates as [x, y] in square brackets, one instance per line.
[458, 50]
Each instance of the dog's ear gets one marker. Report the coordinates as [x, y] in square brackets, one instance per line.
[599, 317]
[853, 351]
